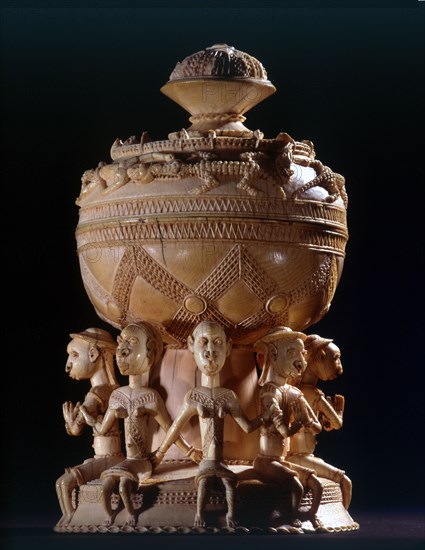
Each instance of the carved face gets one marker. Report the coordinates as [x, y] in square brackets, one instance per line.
[81, 364]
[329, 366]
[133, 355]
[210, 347]
[287, 357]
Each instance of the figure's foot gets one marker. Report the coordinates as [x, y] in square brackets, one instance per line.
[316, 522]
[65, 520]
[296, 522]
[131, 520]
[108, 521]
[199, 521]
[231, 521]
[346, 490]
[307, 515]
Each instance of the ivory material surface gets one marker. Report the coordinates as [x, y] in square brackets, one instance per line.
[211, 251]
[215, 222]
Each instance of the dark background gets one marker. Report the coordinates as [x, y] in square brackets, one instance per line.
[350, 77]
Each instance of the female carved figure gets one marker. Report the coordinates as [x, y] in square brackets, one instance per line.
[139, 348]
[210, 402]
[323, 363]
[91, 357]
[285, 412]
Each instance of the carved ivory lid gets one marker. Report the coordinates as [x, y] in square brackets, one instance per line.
[217, 86]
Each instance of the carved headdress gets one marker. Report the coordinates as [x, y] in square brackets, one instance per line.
[107, 346]
[261, 346]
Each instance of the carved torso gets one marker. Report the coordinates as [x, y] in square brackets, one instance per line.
[96, 403]
[212, 404]
[135, 405]
[275, 402]
[304, 441]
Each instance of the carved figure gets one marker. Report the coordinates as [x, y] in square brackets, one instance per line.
[210, 402]
[91, 357]
[285, 411]
[214, 221]
[323, 363]
[139, 348]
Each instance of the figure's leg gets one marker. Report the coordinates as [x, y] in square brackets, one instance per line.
[126, 488]
[108, 485]
[313, 483]
[297, 491]
[346, 490]
[200, 502]
[64, 487]
[274, 472]
[327, 471]
[230, 486]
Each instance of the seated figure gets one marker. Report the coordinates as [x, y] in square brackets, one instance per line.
[210, 402]
[139, 348]
[91, 357]
[285, 411]
[323, 363]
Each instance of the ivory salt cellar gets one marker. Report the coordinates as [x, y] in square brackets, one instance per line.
[226, 245]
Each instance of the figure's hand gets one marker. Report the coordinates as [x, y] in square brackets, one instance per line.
[156, 457]
[70, 412]
[294, 428]
[300, 412]
[338, 403]
[195, 455]
[257, 422]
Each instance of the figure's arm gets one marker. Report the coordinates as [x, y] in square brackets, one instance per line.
[100, 425]
[164, 420]
[186, 412]
[304, 414]
[271, 412]
[75, 416]
[331, 411]
[241, 419]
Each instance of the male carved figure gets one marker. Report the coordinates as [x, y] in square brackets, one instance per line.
[139, 348]
[285, 411]
[323, 363]
[210, 402]
[91, 357]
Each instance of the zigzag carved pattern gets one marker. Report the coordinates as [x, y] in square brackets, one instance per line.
[137, 262]
[181, 326]
[257, 280]
[236, 265]
[218, 230]
[332, 281]
[209, 402]
[312, 285]
[279, 320]
[119, 399]
[258, 319]
[270, 207]
[124, 279]
[225, 275]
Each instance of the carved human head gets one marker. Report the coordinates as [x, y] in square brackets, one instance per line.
[210, 347]
[323, 357]
[283, 351]
[139, 348]
[89, 351]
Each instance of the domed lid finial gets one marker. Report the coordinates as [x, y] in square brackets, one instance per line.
[217, 86]
[219, 61]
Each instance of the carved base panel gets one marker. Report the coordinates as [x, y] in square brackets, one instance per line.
[168, 504]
